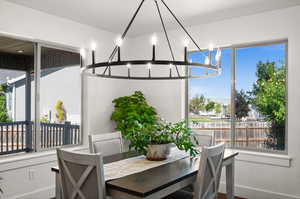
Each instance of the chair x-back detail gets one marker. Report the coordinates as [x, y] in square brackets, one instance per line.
[208, 178]
[81, 175]
[106, 144]
[210, 168]
[204, 138]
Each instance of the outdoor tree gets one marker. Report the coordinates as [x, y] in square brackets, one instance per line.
[241, 104]
[268, 92]
[197, 104]
[268, 95]
[210, 106]
[218, 108]
[60, 112]
[4, 117]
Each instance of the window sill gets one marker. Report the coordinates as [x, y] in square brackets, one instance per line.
[29, 159]
[264, 158]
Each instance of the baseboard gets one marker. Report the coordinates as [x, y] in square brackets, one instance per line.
[44, 193]
[240, 190]
[254, 193]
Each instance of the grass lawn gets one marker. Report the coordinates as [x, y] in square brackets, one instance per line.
[201, 118]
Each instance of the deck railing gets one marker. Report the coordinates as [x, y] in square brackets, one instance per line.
[14, 137]
[18, 136]
[53, 135]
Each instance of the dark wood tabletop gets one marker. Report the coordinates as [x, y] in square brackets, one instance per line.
[155, 179]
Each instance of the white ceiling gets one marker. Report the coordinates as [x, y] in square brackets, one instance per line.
[113, 15]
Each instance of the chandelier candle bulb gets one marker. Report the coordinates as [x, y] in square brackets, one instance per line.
[218, 55]
[149, 65]
[82, 53]
[211, 47]
[93, 46]
[119, 41]
[154, 40]
[128, 69]
[207, 60]
[186, 42]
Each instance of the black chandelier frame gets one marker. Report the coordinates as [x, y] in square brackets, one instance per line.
[108, 65]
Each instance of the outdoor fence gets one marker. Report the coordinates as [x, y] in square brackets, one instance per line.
[53, 135]
[19, 137]
[250, 134]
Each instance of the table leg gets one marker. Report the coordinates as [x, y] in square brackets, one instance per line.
[230, 179]
[58, 193]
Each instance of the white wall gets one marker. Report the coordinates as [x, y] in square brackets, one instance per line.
[253, 179]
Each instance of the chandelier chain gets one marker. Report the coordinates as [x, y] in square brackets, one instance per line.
[124, 34]
[166, 35]
[184, 29]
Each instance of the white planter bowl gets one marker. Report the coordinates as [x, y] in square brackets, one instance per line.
[158, 152]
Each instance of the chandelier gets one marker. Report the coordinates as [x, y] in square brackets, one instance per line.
[176, 69]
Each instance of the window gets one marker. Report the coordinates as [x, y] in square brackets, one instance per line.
[209, 100]
[60, 98]
[245, 106]
[40, 96]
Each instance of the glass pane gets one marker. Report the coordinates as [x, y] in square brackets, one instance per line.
[16, 95]
[261, 97]
[60, 98]
[209, 100]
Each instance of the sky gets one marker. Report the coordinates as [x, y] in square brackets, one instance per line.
[4, 74]
[218, 88]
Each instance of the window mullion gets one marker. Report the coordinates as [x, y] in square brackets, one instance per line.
[233, 94]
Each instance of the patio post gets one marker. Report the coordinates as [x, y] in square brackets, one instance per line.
[67, 133]
[28, 111]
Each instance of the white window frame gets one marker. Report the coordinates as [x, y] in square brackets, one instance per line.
[36, 133]
[233, 83]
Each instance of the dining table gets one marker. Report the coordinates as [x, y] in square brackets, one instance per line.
[159, 181]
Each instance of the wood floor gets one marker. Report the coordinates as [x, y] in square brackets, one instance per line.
[223, 196]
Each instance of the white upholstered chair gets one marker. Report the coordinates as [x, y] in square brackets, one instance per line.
[106, 144]
[204, 137]
[81, 175]
[208, 178]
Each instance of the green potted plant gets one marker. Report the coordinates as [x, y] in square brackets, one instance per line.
[160, 136]
[147, 134]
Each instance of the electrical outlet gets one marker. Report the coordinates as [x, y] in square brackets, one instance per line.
[31, 174]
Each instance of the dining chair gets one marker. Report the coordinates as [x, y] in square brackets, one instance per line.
[204, 138]
[81, 175]
[106, 144]
[208, 177]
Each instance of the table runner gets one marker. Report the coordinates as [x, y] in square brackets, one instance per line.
[138, 164]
